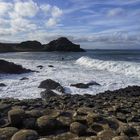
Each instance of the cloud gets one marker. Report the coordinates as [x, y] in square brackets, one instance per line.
[116, 12]
[46, 8]
[5, 7]
[53, 12]
[56, 12]
[51, 22]
[26, 9]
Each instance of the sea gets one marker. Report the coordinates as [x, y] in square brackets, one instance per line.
[112, 69]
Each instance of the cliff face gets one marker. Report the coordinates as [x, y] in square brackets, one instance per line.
[61, 44]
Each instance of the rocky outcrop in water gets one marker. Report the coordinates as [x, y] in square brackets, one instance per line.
[63, 44]
[11, 68]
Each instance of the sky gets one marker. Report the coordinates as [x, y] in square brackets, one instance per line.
[95, 24]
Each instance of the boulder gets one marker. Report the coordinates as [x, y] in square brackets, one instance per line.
[106, 135]
[40, 66]
[78, 128]
[82, 85]
[45, 95]
[51, 85]
[97, 127]
[51, 66]
[48, 124]
[24, 78]
[7, 132]
[63, 44]
[11, 68]
[2, 85]
[29, 123]
[16, 117]
[128, 130]
[25, 135]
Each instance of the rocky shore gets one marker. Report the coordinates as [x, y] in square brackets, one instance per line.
[112, 115]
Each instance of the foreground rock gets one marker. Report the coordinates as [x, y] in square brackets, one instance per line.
[25, 135]
[63, 44]
[112, 115]
[11, 68]
[7, 132]
[51, 85]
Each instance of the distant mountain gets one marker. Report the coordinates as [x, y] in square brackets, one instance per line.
[61, 44]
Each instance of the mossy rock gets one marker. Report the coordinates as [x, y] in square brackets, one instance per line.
[106, 135]
[34, 113]
[47, 125]
[16, 116]
[78, 129]
[25, 135]
[7, 132]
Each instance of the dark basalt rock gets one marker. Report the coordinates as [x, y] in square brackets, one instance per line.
[47, 94]
[63, 44]
[40, 66]
[2, 85]
[24, 78]
[51, 66]
[51, 85]
[82, 85]
[11, 68]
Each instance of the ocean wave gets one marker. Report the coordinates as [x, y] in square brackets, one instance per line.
[122, 67]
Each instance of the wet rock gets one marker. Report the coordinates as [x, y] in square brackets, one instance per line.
[24, 78]
[2, 85]
[51, 85]
[40, 66]
[16, 117]
[7, 132]
[25, 135]
[106, 135]
[51, 66]
[78, 128]
[82, 85]
[11, 68]
[45, 95]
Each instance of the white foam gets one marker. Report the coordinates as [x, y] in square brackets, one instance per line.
[123, 67]
[66, 73]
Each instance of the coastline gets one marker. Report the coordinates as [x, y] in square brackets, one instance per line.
[106, 116]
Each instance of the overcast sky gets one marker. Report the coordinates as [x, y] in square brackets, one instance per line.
[96, 24]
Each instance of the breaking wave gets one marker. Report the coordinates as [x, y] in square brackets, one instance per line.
[123, 67]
